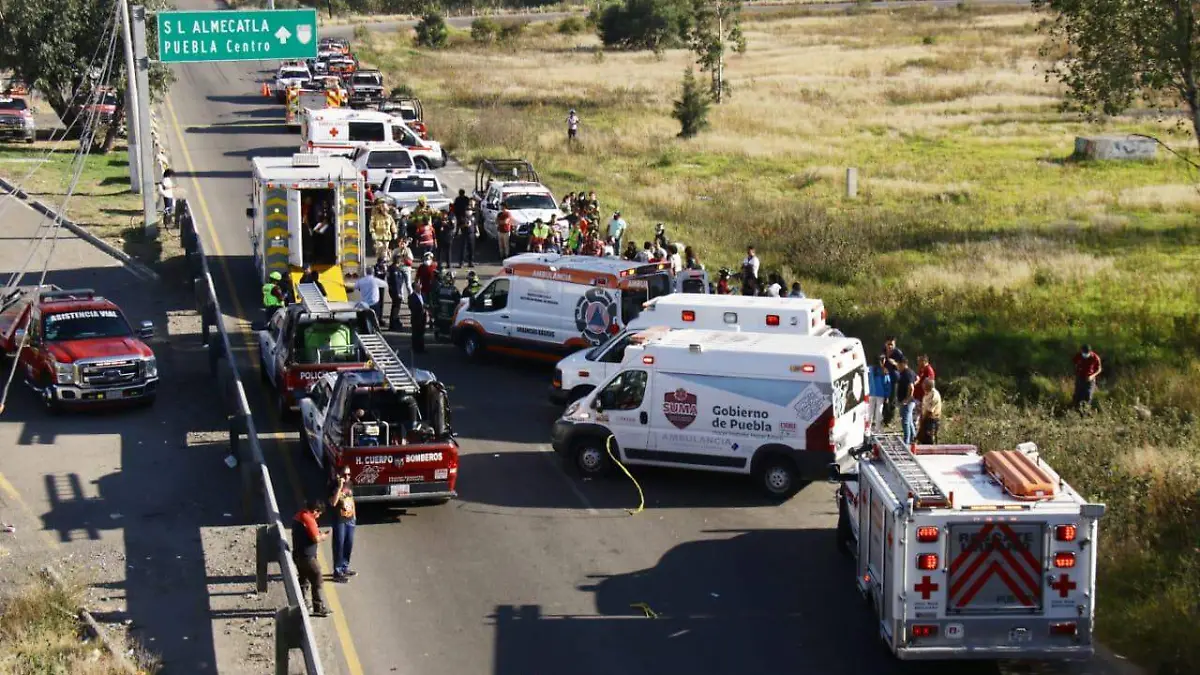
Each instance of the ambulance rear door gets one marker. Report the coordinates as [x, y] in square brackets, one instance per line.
[295, 229]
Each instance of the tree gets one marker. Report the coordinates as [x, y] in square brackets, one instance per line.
[715, 25]
[432, 31]
[643, 24]
[1119, 51]
[692, 107]
[484, 30]
[51, 43]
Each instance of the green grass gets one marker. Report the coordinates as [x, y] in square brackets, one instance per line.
[101, 202]
[975, 236]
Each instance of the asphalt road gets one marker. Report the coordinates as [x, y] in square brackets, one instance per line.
[532, 571]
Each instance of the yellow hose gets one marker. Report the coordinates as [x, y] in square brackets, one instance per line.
[641, 496]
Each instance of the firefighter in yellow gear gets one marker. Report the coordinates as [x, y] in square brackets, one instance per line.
[421, 214]
[383, 226]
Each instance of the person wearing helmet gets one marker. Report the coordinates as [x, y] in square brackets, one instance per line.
[473, 285]
[723, 282]
[272, 294]
[572, 126]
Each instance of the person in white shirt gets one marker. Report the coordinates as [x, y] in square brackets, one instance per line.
[572, 125]
[775, 288]
[609, 249]
[166, 187]
[676, 259]
[370, 292]
[751, 263]
[616, 229]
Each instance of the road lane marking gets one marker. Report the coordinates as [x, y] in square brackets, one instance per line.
[339, 616]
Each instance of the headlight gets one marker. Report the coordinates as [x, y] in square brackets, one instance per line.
[150, 367]
[64, 373]
[571, 409]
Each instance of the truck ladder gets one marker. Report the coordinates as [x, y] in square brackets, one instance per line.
[899, 457]
[395, 373]
[313, 300]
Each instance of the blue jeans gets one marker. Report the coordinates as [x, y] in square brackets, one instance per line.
[906, 421]
[343, 545]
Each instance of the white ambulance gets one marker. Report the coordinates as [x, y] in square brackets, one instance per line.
[545, 305]
[964, 555]
[781, 408]
[579, 373]
[341, 131]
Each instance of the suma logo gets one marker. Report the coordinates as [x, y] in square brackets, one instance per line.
[595, 315]
[679, 407]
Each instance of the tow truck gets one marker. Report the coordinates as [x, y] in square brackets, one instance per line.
[308, 339]
[964, 555]
[388, 424]
[75, 348]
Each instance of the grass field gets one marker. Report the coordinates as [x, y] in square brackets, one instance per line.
[975, 236]
[102, 201]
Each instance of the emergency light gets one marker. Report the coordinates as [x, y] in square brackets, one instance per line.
[927, 561]
[687, 315]
[1065, 532]
[927, 534]
[772, 319]
[1064, 559]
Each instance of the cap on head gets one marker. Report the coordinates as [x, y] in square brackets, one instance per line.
[1086, 349]
[276, 276]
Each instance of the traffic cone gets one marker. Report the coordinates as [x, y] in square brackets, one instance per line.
[265, 90]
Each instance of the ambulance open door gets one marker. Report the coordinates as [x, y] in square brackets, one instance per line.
[295, 230]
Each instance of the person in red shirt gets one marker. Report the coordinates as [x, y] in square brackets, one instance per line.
[503, 231]
[305, 538]
[1087, 369]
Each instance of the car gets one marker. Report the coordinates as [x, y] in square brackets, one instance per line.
[16, 120]
[405, 190]
[378, 160]
[515, 185]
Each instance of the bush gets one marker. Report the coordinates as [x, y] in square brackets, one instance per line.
[644, 24]
[692, 107]
[361, 34]
[432, 31]
[512, 30]
[484, 30]
[572, 25]
[403, 91]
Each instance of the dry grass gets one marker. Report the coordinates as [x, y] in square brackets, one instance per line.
[40, 635]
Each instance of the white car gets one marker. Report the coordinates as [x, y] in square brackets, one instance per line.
[289, 76]
[376, 161]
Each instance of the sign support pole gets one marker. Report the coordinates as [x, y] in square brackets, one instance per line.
[149, 194]
[131, 103]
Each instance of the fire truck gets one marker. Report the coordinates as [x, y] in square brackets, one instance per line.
[313, 95]
[309, 338]
[388, 424]
[964, 555]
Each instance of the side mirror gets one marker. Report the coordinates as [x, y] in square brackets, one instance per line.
[146, 330]
[598, 403]
[258, 325]
[249, 211]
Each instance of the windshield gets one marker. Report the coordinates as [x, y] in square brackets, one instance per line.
[389, 159]
[108, 98]
[529, 200]
[408, 114]
[292, 73]
[13, 104]
[368, 79]
[101, 323]
[413, 185]
[632, 299]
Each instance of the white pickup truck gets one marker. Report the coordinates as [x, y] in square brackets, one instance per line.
[289, 76]
[403, 190]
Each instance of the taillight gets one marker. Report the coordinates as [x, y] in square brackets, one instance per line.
[927, 561]
[557, 378]
[1065, 532]
[927, 534]
[772, 319]
[687, 315]
[1068, 629]
[832, 444]
[924, 631]
[1064, 559]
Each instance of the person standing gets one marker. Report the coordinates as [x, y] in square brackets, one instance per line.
[616, 229]
[931, 413]
[892, 356]
[466, 237]
[399, 281]
[880, 390]
[690, 260]
[461, 207]
[572, 126]
[1087, 369]
[416, 306]
[503, 232]
[272, 294]
[166, 187]
[305, 538]
[344, 521]
[310, 276]
[750, 264]
[370, 291]
[723, 282]
[906, 396]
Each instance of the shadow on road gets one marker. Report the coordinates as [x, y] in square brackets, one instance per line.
[245, 99]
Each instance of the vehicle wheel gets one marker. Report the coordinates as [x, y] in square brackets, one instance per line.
[578, 393]
[590, 457]
[472, 345]
[421, 163]
[30, 140]
[51, 404]
[778, 477]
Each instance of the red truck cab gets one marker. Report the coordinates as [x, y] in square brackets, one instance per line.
[76, 348]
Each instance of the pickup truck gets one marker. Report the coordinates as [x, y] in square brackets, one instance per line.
[16, 120]
[75, 348]
[390, 426]
[365, 88]
[289, 76]
[403, 190]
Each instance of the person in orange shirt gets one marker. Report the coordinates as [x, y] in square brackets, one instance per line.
[342, 501]
[504, 231]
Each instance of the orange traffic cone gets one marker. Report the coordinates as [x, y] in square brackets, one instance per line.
[266, 91]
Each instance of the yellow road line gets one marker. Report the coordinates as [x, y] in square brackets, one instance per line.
[11, 492]
[339, 617]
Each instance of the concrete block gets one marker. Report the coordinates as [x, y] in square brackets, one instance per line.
[1115, 147]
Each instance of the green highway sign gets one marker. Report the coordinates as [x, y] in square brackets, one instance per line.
[253, 35]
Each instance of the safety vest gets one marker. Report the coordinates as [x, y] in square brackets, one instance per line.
[269, 299]
[541, 231]
[473, 287]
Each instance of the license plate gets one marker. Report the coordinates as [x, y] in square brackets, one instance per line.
[397, 490]
[1019, 635]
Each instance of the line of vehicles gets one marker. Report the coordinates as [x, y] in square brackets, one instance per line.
[960, 554]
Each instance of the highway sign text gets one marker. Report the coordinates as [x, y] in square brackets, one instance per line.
[255, 35]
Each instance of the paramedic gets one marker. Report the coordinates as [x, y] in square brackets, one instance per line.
[931, 413]
[906, 396]
[881, 388]
[305, 537]
[273, 296]
[369, 289]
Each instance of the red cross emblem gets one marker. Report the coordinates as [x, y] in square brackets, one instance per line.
[1064, 585]
[333, 132]
[926, 588]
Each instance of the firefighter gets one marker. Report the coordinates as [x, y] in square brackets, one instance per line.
[445, 301]
[473, 285]
[273, 294]
[383, 227]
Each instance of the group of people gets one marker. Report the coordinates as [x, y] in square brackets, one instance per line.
[428, 230]
[895, 386]
[307, 537]
[754, 283]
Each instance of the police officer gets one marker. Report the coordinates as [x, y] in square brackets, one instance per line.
[445, 300]
[444, 227]
[273, 295]
[399, 281]
[473, 285]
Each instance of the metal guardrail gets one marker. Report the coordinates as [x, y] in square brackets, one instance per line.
[293, 625]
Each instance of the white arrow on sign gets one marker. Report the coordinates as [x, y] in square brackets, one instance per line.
[283, 34]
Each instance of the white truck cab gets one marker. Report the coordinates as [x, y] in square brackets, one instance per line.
[781, 408]
[580, 372]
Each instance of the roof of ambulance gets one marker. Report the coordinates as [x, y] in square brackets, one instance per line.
[281, 169]
[586, 263]
[737, 342]
[964, 475]
[734, 301]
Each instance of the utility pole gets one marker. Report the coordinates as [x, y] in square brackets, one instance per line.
[131, 103]
[142, 61]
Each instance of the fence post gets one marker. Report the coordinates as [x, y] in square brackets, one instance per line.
[265, 550]
[852, 182]
[287, 631]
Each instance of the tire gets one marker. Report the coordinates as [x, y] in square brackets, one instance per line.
[777, 477]
[51, 404]
[472, 345]
[578, 393]
[589, 457]
[420, 163]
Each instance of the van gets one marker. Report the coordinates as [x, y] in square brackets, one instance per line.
[780, 408]
[579, 373]
[340, 131]
[545, 305]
